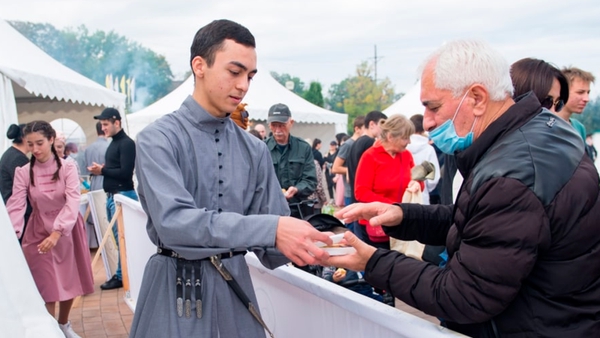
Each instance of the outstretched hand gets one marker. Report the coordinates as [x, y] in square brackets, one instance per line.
[356, 261]
[296, 239]
[376, 213]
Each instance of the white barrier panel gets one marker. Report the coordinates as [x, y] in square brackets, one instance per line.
[138, 245]
[22, 309]
[293, 303]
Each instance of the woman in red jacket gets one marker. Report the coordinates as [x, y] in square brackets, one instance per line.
[383, 172]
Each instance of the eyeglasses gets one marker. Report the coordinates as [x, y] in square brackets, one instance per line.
[549, 102]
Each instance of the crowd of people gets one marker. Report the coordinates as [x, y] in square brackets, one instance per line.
[516, 253]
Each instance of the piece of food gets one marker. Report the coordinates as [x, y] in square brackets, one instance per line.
[336, 245]
[341, 272]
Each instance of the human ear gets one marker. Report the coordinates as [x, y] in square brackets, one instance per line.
[198, 66]
[481, 98]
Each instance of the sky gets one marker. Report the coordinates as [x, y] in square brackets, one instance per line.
[325, 40]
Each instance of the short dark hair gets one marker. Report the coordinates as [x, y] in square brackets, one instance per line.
[210, 38]
[99, 130]
[417, 120]
[374, 116]
[359, 121]
[255, 133]
[536, 75]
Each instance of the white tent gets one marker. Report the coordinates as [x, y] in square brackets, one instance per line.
[33, 84]
[311, 121]
[409, 104]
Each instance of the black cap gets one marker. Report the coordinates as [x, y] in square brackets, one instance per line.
[324, 222]
[279, 113]
[108, 113]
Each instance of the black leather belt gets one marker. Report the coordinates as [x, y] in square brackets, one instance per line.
[173, 254]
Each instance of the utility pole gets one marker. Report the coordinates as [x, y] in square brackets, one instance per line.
[375, 59]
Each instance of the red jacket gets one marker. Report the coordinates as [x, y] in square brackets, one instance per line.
[381, 177]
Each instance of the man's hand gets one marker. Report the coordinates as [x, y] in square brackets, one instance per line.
[95, 168]
[356, 261]
[376, 213]
[49, 242]
[290, 192]
[296, 239]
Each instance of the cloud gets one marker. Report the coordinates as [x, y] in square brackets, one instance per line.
[325, 40]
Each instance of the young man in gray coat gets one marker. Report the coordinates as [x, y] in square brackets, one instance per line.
[210, 193]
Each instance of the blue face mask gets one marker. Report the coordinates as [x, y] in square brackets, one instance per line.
[445, 136]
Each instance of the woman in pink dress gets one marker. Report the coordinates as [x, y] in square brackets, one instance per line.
[54, 242]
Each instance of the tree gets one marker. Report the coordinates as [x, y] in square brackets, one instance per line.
[299, 86]
[590, 117]
[337, 93]
[314, 94]
[95, 55]
[359, 94]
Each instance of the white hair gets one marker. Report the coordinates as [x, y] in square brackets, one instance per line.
[461, 63]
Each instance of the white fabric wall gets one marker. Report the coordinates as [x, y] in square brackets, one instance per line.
[8, 110]
[22, 310]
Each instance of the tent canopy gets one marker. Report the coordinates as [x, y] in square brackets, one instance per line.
[409, 104]
[29, 76]
[311, 120]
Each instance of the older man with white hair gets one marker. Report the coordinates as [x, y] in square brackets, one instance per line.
[522, 238]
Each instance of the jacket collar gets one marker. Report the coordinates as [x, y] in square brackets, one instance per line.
[200, 118]
[119, 135]
[526, 107]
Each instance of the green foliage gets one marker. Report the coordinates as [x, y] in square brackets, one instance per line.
[299, 86]
[359, 94]
[337, 93]
[314, 94]
[590, 117]
[98, 54]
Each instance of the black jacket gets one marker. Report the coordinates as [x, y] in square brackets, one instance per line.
[120, 161]
[523, 238]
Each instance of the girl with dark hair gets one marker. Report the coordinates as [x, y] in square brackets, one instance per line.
[543, 79]
[55, 242]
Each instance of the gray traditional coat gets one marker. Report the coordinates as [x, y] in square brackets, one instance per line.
[207, 187]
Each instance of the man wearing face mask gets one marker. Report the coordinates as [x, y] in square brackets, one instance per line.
[523, 249]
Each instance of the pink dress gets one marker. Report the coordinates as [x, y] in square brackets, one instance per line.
[65, 271]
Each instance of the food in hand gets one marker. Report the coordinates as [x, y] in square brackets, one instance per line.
[336, 245]
[341, 272]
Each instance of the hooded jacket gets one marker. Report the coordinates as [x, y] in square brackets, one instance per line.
[421, 151]
[523, 238]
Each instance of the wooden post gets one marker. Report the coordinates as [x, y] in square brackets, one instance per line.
[122, 249]
[106, 235]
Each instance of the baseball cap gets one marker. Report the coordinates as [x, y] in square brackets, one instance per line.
[279, 113]
[108, 113]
